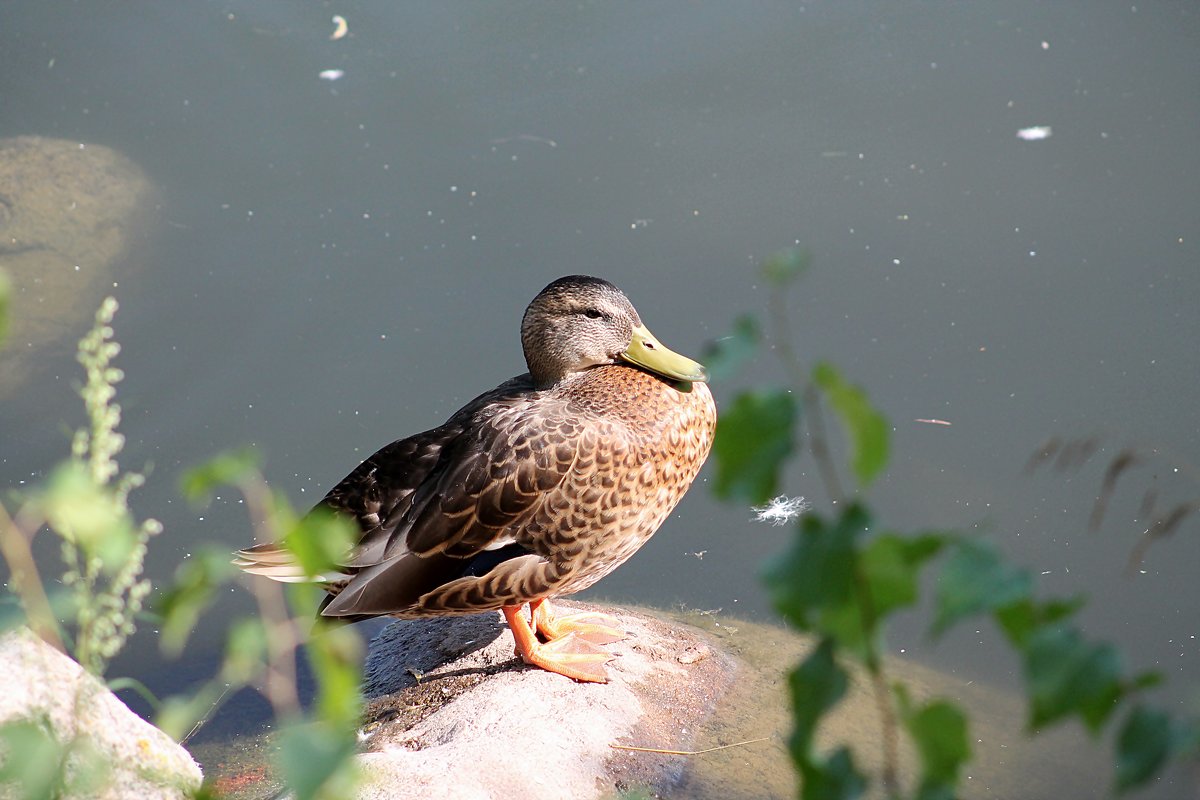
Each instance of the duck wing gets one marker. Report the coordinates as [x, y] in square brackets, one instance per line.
[451, 503]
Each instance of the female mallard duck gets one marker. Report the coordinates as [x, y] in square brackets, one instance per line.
[536, 489]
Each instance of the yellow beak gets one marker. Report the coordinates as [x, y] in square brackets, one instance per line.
[645, 351]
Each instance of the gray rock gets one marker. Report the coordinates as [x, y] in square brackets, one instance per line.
[46, 687]
[453, 714]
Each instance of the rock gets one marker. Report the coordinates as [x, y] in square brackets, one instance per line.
[453, 714]
[480, 724]
[70, 214]
[42, 685]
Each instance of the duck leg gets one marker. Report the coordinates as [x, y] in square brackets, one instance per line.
[567, 655]
[592, 626]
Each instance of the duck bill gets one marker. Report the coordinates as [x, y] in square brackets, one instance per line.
[648, 353]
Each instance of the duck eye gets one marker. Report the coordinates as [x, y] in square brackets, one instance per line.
[592, 313]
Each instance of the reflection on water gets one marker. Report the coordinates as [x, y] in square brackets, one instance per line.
[341, 263]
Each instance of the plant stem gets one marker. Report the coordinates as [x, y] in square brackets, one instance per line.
[14, 545]
[814, 421]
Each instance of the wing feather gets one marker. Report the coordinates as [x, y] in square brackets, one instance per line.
[477, 480]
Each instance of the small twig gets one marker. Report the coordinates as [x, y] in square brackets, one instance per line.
[687, 752]
[207, 716]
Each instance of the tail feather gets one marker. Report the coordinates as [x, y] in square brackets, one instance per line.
[276, 562]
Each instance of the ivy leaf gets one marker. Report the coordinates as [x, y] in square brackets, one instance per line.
[834, 778]
[225, 469]
[724, 356]
[975, 579]
[939, 730]
[319, 540]
[314, 759]
[335, 656]
[812, 583]
[1144, 743]
[891, 566]
[1022, 618]
[865, 426]
[754, 439]
[189, 596]
[785, 266]
[1066, 675]
[816, 685]
[245, 650]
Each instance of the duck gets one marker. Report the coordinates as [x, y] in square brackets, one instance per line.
[532, 491]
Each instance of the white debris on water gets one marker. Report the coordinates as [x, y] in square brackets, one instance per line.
[331, 74]
[1035, 133]
[781, 510]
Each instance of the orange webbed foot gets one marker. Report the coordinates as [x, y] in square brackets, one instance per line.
[571, 656]
[591, 626]
[568, 655]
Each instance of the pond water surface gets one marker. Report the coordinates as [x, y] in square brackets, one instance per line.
[336, 263]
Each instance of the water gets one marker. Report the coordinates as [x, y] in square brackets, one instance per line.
[335, 264]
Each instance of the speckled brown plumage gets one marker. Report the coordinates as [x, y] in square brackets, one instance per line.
[536, 489]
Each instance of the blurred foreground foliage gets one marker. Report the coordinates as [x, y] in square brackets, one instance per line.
[845, 574]
[101, 594]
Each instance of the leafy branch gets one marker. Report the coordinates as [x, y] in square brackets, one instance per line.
[85, 504]
[844, 576]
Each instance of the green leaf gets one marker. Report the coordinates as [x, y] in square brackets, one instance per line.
[1144, 743]
[939, 730]
[1023, 617]
[89, 515]
[812, 584]
[723, 357]
[834, 778]
[891, 567]
[754, 439]
[336, 653]
[975, 579]
[1066, 675]
[320, 540]
[816, 685]
[189, 596]
[316, 760]
[33, 761]
[245, 651]
[866, 428]
[225, 469]
[785, 266]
